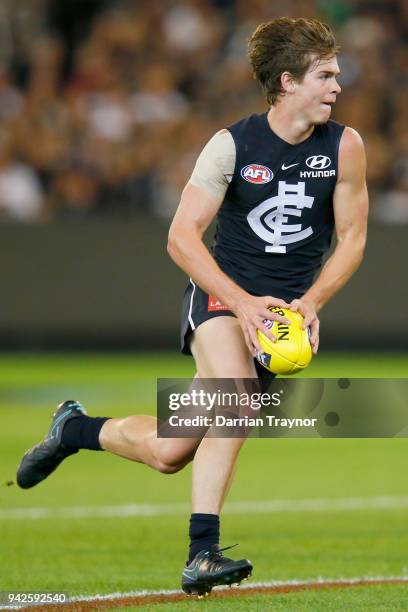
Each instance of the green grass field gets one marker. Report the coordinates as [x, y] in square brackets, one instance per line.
[91, 555]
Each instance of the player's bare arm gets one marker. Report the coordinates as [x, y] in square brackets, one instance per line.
[350, 205]
[195, 213]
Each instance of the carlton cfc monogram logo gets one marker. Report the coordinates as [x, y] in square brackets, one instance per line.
[269, 219]
[255, 173]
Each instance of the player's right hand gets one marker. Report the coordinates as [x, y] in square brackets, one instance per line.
[251, 312]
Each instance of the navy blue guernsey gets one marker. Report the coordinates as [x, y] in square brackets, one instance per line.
[276, 221]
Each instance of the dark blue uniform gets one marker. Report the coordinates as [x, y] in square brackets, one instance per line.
[276, 221]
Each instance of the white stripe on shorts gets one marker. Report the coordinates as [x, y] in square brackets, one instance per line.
[190, 318]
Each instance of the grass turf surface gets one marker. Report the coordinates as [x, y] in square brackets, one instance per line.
[87, 556]
[359, 599]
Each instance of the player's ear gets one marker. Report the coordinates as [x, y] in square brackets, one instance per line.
[288, 83]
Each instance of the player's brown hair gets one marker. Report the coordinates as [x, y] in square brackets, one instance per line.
[290, 45]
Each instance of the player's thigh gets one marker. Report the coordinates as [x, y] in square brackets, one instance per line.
[219, 350]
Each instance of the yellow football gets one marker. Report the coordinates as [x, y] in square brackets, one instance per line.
[292, 351]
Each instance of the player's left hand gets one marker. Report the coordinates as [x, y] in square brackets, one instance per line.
[308, 310]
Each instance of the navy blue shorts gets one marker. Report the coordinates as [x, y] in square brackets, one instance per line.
[198, 307]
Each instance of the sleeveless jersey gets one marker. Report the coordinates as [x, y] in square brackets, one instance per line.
[276, 220]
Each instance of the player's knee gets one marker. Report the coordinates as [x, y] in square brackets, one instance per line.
[170, 463]
[168, 468]
[167, 459]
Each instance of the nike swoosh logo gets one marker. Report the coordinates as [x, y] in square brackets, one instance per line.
[191, 573]
[291, 166]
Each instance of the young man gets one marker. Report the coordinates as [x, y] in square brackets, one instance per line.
[279, 183]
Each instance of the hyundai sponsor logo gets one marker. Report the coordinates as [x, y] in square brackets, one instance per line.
[318, 162]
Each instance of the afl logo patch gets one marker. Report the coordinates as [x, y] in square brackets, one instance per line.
[255, 173]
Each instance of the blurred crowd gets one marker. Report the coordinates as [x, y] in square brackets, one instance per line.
[104, 105]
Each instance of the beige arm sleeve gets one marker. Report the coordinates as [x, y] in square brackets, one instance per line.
[215, 164]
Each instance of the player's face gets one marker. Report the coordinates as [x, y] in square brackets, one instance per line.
[316, 94]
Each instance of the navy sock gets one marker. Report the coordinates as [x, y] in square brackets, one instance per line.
[83, 432]
[204, 532]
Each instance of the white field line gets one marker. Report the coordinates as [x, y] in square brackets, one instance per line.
[252, 585]
[240, 507]
[247, 587]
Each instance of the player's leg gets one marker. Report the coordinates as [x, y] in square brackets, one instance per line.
[133, 437]
[215, 460]
[215, 457]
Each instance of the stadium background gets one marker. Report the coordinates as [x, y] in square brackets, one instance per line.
[104, 106]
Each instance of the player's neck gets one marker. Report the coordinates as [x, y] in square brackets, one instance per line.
[288, 126]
